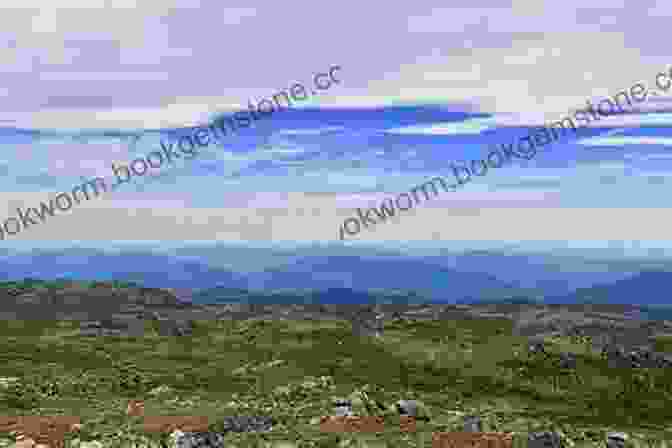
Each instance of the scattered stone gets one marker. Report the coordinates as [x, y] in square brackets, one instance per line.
[342, 407]
[244, 423]
[168, 327]
[567, 361]
[616, 440]
[473, 423]
[415, 409]
[113, 327]
[368, 323]
[179, 439]
[639, 357]
[408, 408]
[536, 347]
[544, 439]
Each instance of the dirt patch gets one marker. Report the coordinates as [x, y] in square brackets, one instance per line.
[472, 440]
[49, 430]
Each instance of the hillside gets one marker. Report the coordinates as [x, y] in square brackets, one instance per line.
[647, 287]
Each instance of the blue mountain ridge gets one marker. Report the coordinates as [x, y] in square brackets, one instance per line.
[647, 287]
[353, 274]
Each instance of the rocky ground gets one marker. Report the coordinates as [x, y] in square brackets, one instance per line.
[219, 351]
[605, 324]
[106, 310]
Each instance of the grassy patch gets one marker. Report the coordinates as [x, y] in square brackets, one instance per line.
[663, 344]
[291, 370]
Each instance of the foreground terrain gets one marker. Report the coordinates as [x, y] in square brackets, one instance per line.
[290, 363]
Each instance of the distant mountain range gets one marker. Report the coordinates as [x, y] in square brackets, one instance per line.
[348, 275]
[647, 287]
[324, 296]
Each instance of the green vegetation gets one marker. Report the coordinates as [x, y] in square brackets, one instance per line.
[663, 344]
[292, 370]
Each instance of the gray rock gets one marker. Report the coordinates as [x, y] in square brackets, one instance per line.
[154, 296]
[168, 327]
[342, 407]
[90, 324]
[31, 298]
[367, 323]
[245, 423]
[567, 361]
[536, 346]
[473, 423]
[114, 324]
[544, 439]
[407, 407]
[616, 440]
[90, 332]
[181, 439]
[637, 357]
[113, 327]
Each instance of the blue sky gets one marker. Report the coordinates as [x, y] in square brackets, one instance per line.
[482, 70]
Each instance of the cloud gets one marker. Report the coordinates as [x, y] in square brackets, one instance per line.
[501, 56]
[128, 64]
[627, 140]
[472, 126]
[311, 220]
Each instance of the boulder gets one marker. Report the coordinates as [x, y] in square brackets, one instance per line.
[473, 423]
[567, 361]
[179, 439]
[544, 439]
[246, 423]
[638, 357]
[169, 327]
[407, 407]
[536, 346]
[158, 297]
[342, 407]
[367, 323]
[616, 440]
[413, 408]
[113, 327]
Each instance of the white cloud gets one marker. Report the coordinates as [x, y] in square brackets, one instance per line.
[518, 59]
[623, 140]
[473, 126]
[100, 76]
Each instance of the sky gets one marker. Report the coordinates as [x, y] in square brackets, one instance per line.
[70, 66]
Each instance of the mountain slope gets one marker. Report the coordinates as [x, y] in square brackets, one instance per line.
[648, 288]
